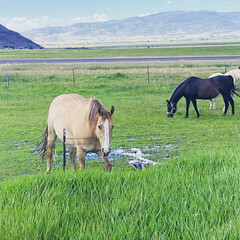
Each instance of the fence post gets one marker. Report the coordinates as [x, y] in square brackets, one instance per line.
[148, 73]
[64, 149]
[6, 75]
[73, 78]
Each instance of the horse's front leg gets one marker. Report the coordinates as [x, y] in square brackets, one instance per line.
[72, 152]
[107, 164]
[195, 106]
[81, 158]
[187, 106]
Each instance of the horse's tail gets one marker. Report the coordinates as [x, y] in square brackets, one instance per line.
[234, 91]
[41, 147]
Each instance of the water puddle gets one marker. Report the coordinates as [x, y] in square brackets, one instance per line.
[137, 157]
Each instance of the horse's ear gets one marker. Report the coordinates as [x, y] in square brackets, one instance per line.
[100, 111]
[167, 101]
[112, 110]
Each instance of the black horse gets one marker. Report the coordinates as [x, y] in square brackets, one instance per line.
[196, 88]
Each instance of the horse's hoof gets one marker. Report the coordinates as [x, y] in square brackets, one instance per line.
[108, 168]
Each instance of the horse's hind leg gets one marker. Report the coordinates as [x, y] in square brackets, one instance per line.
[232, 104]
[50, 145]
[72, 152]
[226, 99]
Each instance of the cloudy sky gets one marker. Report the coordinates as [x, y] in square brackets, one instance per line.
[22, 15]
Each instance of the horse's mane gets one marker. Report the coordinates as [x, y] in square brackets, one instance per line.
[96, 107]
[177, 91]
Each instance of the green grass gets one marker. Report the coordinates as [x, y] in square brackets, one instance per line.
[191, 194]
[122, 52]
[195, 198]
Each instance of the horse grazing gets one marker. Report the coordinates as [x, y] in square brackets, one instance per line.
[88, 127]
[235, 73]
[196, 88]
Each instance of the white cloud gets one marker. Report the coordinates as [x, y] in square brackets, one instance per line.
[21, 24]
[169, 2]
[95, 18]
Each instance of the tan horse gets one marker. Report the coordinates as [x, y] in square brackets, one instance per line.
[88, 128]
[235, 73]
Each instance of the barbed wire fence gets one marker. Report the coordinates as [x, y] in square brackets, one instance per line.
[72, 74]
[155, 147]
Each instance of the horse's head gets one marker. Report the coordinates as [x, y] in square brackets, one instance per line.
[171, 108]
[104, 128]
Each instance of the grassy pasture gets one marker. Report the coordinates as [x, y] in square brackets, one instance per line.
[121, 52]
[192, 194]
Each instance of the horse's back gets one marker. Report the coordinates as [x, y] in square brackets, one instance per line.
[68, 98]
[215, 74]
[67, 111]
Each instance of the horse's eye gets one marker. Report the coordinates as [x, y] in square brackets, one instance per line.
[112, 126]
[100, 127]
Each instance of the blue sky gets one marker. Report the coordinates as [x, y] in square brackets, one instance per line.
[22, 15]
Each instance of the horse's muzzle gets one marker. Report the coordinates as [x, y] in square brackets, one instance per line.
[105, 153]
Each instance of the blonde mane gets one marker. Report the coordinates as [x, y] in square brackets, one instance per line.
[96, 108]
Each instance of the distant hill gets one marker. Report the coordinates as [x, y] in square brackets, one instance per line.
[14, 40]
[166, 26]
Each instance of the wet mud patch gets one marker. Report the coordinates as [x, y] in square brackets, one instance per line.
[145, 155]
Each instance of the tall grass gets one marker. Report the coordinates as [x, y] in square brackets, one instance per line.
[195, 197]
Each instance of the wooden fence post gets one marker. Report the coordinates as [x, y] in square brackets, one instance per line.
[73, 78]
[6, 75]
[148, 73]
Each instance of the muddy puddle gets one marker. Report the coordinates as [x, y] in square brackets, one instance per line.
[145, 155]
[152, 154]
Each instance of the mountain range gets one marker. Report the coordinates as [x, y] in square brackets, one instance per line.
[165, 26]
[14, 40]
